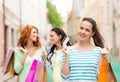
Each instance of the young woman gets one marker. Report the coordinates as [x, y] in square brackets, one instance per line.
[57, 36]
[29, 48]
[81, 62]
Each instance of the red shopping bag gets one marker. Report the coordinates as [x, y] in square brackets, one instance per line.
[32, 71]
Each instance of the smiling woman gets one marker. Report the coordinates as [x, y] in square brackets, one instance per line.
[29, 48]
[82, 61]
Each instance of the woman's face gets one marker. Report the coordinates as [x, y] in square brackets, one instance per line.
[34, 35]
[54, 38]
[85, 31]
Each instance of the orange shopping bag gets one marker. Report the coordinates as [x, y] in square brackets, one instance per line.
[103, 72]
[42, 74]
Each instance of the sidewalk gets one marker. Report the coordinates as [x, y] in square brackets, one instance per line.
[7, 77]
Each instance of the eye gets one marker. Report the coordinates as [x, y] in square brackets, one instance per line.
[88, 30]
[51, 35]
[81, 28]
[35, 32]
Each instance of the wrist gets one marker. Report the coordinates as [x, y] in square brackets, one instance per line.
[67, 55]
[25, 54]
[67, 58]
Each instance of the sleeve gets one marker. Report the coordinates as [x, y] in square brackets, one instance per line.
[99, 60]
[64, 77]
[17, 65]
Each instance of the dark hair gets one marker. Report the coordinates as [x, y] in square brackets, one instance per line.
[97, 37]
[58, 31]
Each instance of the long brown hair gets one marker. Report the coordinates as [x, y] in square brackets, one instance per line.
[25, 34]
[97, 37]
[58, 31]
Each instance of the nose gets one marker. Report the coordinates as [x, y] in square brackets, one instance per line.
[36, 34]
[83, 31]
[50, 38]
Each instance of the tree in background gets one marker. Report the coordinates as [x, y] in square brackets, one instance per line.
[53, 16]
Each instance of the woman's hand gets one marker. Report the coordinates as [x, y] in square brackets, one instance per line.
[66, 51]
[65, 68]
[24, 50]
[105, 52]
[22, 60]
[45, 54]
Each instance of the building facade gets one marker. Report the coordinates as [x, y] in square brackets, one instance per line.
[106, 13]
[74, 18]
[17, 13]
[1, 33]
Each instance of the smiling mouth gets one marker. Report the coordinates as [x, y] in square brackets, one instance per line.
[82, 36]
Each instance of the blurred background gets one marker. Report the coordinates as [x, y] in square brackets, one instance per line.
[66, 14]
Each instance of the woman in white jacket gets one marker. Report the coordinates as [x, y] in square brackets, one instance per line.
[57, 35]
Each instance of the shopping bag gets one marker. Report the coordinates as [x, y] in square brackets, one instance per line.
[43, 73]
[39, 64]
[103, 72]
[9, 63]
[32, 71]
[106, 73]
[49, 73]
[110, 74]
